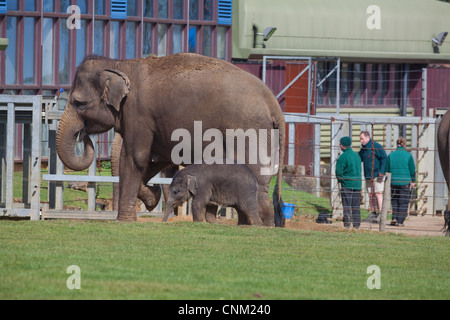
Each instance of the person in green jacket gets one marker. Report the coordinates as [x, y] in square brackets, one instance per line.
[401, 165]
[348, 173]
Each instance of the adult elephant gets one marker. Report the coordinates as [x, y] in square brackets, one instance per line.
[146, 100]
[443, 141]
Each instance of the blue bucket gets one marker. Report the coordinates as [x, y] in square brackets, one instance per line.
[288, 210]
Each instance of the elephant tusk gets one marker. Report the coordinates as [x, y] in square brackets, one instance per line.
[78, 136]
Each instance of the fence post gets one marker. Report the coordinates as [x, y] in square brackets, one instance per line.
[386, 201]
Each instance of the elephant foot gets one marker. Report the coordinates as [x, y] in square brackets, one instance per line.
[265, 211]
[125, 215]
[126, 218]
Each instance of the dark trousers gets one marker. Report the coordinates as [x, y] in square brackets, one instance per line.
[400, 196]
[351, 202]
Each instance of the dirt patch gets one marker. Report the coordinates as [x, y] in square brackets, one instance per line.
[414, 225]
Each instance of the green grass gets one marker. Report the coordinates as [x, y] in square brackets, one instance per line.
[306, 203]
[186, 260]
[71, 197]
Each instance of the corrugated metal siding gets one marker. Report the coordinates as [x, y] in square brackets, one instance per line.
[438, 88]
[275, 76]
[379, 130]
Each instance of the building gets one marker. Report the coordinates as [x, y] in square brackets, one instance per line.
[48, 39]
[393, 57]
[385, 51]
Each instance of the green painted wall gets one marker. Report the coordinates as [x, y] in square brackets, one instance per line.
[398, 30]
[3, 43]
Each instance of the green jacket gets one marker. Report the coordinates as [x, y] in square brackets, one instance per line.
[379, 162]
[348, 169]
[400, 164]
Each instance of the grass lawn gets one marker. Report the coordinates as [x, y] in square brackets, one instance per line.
[73, 198]
[185, 260]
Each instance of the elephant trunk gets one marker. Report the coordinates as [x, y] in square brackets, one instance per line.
[169, 207]
[69, 129]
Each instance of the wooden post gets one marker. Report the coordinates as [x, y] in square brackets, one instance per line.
[386, 201]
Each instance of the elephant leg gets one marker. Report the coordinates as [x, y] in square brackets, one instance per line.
[129, 183]
[265, 211]
[211, 212]
[199, 208]
[242, 218]
[150, 195]
[250, 212]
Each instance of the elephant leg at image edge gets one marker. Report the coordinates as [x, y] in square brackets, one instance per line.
[265, 210]
[211, 213]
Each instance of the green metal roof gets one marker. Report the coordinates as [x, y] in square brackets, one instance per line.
[3, 43]
[330, 28]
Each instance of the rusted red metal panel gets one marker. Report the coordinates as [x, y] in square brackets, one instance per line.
[438, 88]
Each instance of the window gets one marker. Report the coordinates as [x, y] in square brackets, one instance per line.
[81, 43]
[208, 10]
[99, 7]
[47, 51]
[64, 4]
[148, 8]
[163, 10]
[64, 53]
[82, 4]
[222, 43]
[30, 5]
[11, 53]
[162, 39]
[192, 47]
[193, 9]
[98, 37]
[12, 5]
[177, 38]
[358, 84]
[49, 6]
[147, 41]
[114, 40]
[178, 9]
[345, 83]
[131, 40]
[207, 41]
[132, 8]
[28, 51]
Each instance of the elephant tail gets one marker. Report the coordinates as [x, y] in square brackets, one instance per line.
[446, 227]
[278, 203]
[279, 218]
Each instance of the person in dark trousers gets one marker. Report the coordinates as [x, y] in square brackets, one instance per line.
[401, 165]
[348, 173]
[373, 157]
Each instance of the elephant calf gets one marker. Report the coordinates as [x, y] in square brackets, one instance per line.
[231, 185]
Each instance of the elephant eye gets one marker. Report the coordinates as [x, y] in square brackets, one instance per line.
[79, 103]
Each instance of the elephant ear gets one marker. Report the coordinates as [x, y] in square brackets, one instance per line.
[192, 184]
[116, 86]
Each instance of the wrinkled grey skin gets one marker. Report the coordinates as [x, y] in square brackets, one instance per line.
[231, 185]
[149, 195]
[443, 142]
[146, 100]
